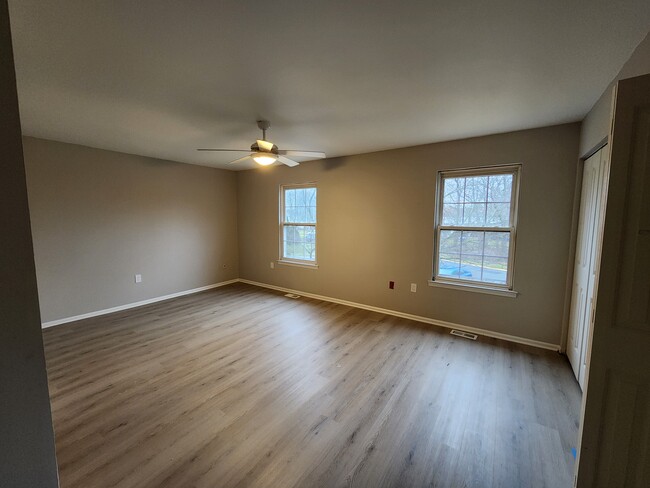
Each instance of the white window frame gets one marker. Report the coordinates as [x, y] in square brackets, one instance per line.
[472, 285]
[304, 263]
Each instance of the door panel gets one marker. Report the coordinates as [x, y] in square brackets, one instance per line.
[615, 427]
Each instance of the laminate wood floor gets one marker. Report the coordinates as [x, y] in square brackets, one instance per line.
[243, 387]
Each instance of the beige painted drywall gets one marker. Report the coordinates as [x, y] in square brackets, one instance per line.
[595, 126]
[27, 457]
[99, 217]
[375, 221]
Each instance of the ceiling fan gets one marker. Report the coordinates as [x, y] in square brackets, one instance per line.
[264, 152]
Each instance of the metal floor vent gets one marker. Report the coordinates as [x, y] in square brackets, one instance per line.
[466, 335]
[292, 295]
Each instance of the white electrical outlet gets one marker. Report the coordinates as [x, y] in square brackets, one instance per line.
[272, 265]
[138, 278]
[414, 287]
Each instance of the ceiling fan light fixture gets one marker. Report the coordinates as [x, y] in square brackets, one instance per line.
[264, 159]
[265, 153]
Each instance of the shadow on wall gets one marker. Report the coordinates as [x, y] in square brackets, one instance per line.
[334, 163]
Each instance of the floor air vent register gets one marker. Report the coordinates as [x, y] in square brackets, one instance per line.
[466, 335]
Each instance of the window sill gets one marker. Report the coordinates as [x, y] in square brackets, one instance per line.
[503, 292]
[298, 264]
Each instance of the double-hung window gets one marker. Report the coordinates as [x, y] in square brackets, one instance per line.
[298, 224]
[476, 227]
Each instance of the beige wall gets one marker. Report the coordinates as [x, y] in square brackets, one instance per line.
[595, 126]
[375, 219]
[99, 217]
[27, 457]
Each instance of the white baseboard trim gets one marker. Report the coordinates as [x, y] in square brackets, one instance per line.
[417, 318]
[119, 308]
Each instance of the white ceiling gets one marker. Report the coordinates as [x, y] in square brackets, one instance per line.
[161, 78]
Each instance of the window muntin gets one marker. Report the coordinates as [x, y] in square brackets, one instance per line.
[298, 223]
[476, 226]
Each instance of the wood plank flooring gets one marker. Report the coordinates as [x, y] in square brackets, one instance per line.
[243, 387]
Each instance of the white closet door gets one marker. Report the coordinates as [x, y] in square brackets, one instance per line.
[595, 242]
[582, 300]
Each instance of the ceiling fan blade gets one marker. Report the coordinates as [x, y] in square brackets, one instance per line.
[225, 150]
[287, 161]
[305, 154]
[240, 159]
[264, 145]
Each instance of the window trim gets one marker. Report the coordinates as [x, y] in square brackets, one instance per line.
[301, 263]
[472, 285]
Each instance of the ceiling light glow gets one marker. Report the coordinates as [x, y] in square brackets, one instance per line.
[264, 159]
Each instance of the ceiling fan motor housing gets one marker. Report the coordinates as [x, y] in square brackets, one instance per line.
[256, 148]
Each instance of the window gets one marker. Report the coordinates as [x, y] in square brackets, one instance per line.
[476, 227]
[298, 224]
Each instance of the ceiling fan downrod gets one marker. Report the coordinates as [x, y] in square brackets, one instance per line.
[264, 125]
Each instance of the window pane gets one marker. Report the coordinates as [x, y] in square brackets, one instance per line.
[295, 214]
[471, 257]
[449, 265]
[474, 214]
[299, 242]
[470, 267]
[497, 244]
[495, 270]
[483, 255]
[310, 197]
[450, 241]
[498, 215]
[300, 196]
[289, 204]
[310, 215]
[500, 188]
[472, 243]
[290, 198]
[454, 189]
[476, 189]
[290, 233]
[452, 214]
[300, 205]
